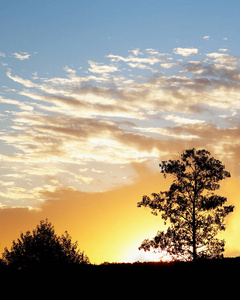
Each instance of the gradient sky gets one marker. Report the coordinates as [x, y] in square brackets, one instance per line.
[94, 94]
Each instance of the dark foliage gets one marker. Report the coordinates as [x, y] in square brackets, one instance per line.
[43, 248]
[195, 213]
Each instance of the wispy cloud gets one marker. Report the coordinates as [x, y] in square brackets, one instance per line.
[119, 112]
[21, 55]
[136, 52]
[100, 68]
[151, 60]
[185, 51]
[182, 120]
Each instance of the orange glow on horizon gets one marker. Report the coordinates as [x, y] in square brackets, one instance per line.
[108, 226]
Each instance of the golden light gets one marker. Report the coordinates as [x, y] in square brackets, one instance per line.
[135, 255]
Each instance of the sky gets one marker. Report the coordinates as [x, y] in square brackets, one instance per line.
[94, 94]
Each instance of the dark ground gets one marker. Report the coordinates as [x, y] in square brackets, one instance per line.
[209, 278]
[126, 271]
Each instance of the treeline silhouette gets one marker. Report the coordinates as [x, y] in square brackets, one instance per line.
[42, 251]
[46, 265]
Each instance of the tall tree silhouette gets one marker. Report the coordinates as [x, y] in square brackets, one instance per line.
[42, 248]
[196, 214]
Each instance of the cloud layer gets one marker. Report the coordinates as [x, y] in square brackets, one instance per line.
[142, 107]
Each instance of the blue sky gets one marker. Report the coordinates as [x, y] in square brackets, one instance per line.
[89, 89]
[70, 31]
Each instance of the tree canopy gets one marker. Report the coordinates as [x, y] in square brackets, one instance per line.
[43, 247]
[195, 213]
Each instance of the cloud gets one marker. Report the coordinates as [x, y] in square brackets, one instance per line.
[98, 171]
[151, 60]
[185, 51]
[166, 133]
[100, 68]
[2, 54]
[168, 65]
[206, 37]
[26, 82]
[140, 66]
[183, 120]
[136, 52]
[222, 58]
[118, 115]
[126, 98]
[21, 55]
[152, 51]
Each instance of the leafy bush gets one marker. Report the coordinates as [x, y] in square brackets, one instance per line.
[43, 247]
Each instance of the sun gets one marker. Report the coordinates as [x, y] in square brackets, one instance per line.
[155, 256]
[150, 256]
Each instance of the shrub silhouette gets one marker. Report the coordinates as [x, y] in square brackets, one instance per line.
[195, 212]
[43, 248]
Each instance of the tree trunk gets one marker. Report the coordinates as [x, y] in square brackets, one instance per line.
[194, 220]
[194, 234]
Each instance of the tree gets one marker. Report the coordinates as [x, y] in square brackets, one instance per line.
[196, 214]
[43, 248]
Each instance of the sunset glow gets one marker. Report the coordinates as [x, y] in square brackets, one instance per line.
[93, 95]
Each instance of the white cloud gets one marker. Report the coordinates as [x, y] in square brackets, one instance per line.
[69, 70]
[21, 55]
[155, 52]
[152, 51]
[136, 52]
[168, 65]
[26, 82]
[97, 171]
[185, 51]
[100, 68]
[2, 54]
[84, 179]
[133, 59]
[206, 37]
[222, 58]
[140, 66]
[183, 120]
[167, 133]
